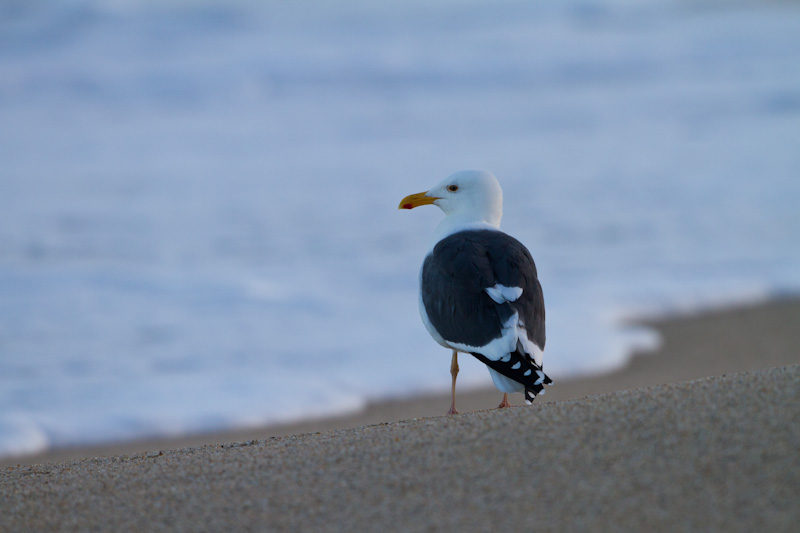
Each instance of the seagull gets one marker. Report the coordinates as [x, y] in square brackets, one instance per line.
[479, 291]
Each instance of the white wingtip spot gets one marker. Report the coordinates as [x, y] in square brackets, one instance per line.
[541, 377]
[502, 294]
[516, 366]
[527, 372]
[528, 402]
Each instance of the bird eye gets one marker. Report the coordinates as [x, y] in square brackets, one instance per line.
[452, 188]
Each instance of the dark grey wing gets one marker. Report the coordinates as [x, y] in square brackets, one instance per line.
[454, 276]
[513, 266]
[454, 280]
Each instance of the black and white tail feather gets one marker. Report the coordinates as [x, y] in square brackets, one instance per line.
[519, 366]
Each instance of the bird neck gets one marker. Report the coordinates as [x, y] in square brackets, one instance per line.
[456, 222]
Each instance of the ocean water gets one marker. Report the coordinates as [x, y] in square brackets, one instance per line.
[198, 200]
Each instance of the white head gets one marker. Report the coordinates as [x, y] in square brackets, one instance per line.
[467, 197]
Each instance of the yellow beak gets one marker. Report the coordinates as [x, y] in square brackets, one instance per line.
[415, 200]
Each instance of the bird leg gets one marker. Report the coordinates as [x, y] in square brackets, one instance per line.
[505, 401]
[454, 373]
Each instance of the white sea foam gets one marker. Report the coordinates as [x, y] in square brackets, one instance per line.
[198, 224]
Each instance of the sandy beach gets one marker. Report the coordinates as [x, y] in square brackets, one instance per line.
[701, 435]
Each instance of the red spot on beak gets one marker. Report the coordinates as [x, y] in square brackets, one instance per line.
[407, 206]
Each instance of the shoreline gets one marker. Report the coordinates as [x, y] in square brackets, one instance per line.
[706, 343]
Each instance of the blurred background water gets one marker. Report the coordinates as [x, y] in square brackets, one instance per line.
[198, 223]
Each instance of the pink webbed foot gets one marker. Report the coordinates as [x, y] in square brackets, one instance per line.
[504, 402]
